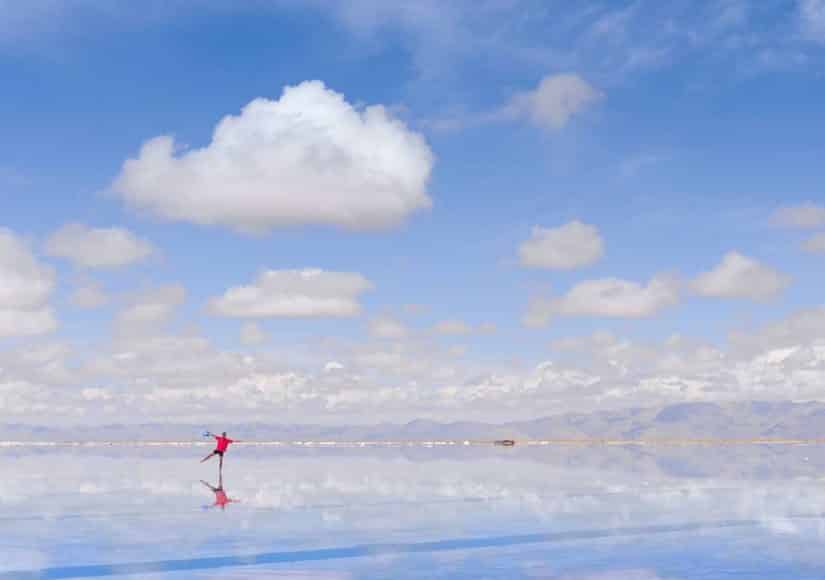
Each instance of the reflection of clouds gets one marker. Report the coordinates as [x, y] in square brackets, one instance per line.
[315, 497]
[614, 575]
[269, 574]
[545, 486]
[15, 557]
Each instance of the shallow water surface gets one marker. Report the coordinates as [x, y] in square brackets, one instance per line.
[560, 512]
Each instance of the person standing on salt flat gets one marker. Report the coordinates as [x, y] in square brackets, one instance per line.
[220, 448]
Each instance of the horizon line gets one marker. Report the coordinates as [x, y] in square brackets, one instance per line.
[419, 442]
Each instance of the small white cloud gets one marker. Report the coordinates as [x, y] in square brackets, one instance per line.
[453, 327]
[25, 288]
[333, 366]
[815, 244]
[95, 394]
[631, 166]
[611, 297]
[804, 215]
[551, 105]
[812, 14]
[415, 309]
[487, 328]
[569, 246]
[12, 177]
[738, 276]
[554, 102]
[252, 334]
[98, 247]
[386, 327]
[295, 294]
[308, 158]
[152, 307]
[89, 295]
[457, 350]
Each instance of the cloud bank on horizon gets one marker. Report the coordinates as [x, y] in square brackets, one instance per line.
[454, 212]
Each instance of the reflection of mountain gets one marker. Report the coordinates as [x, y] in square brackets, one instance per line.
[696, 420]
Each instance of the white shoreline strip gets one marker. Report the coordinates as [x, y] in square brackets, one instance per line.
[426, 443]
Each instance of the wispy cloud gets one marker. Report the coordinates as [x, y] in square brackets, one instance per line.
[12, 177]
[803, 215]
[812, 15]
[633, 165]
[551, 105]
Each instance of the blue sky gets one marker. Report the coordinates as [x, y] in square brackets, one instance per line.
[675, 135]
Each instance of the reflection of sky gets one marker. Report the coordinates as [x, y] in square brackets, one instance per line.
[599, 513]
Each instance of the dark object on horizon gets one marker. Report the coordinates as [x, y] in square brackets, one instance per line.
[505, 442]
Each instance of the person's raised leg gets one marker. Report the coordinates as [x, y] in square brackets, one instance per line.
[208, 457]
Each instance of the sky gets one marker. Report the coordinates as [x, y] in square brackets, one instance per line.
[365, 211]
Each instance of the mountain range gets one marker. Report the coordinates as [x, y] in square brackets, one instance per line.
[682, 421]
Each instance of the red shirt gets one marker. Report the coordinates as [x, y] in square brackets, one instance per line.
[223, 442]
[222, 500]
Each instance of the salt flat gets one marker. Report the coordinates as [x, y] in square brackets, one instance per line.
[459, 511]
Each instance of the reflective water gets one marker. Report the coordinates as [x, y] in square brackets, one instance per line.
[561, 512]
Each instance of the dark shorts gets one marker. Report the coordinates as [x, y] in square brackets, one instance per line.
[216, 452]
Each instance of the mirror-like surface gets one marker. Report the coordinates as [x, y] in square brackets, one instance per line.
[562, 512]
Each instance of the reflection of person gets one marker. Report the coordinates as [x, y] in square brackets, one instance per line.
[222, 444]
[221, 499]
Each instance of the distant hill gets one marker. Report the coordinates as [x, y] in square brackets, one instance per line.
[699, 420]
[739, 420]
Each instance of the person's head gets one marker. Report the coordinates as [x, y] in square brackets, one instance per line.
[224, 433]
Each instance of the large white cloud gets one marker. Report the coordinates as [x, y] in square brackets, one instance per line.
[554, 101]
[295, 294]
[738, 276]
[610, 297]
[98, 247]
[804, 215]
[568, 246]
[25, 288]
[308, 158]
